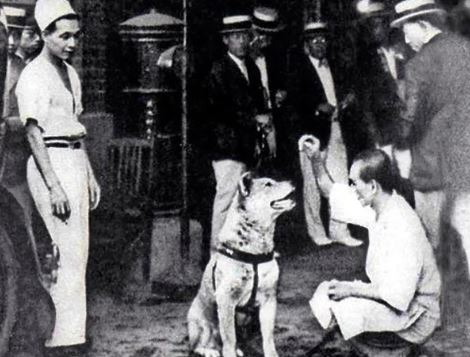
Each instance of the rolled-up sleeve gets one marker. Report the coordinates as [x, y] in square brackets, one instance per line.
[345, 207]
[33, 98]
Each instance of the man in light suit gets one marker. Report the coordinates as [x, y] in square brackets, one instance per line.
[320, 107]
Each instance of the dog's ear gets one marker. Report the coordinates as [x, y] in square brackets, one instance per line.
[244, 185]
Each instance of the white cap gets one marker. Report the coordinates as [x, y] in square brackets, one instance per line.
[48, 11]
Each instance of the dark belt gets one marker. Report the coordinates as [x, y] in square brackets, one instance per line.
[74, 145]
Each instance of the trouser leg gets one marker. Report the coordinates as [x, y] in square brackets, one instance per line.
[227, 174]
[429, 209]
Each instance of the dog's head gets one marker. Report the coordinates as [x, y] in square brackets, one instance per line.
[264, 199]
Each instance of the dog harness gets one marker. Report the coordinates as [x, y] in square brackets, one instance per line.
[248, 258]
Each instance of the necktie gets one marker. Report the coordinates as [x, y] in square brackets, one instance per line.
[244, 71]
[383, 60]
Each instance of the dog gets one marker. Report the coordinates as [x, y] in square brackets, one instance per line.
[242, 271]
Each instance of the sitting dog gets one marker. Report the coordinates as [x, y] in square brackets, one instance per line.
[242, 272]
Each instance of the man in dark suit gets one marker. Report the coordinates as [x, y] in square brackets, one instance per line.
[16, 151]
[319, 104]
[237, 113]
[272, 69]
[16, 18]
[436, 124]
[380, 78]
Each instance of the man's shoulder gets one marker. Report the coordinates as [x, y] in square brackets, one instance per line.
[222, 63]
[35, 71]
[445, 44]
[403, 217]
[17, 61]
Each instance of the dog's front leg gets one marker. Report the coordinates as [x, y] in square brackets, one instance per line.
[267, 315]
[226, 312]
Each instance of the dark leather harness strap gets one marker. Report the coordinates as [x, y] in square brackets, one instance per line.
[244, 257]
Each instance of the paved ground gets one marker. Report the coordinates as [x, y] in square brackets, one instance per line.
[151, 329]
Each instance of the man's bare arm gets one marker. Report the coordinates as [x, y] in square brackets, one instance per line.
[59, 201]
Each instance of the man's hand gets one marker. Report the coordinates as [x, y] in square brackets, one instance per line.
[59, 202]
[94, 191]
[279, 98]
[263, 119]
[339, 290]
[265, 122]
[325, 109]
[310, 145]
[347, 101]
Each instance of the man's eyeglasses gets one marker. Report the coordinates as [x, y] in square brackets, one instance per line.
[318, 40]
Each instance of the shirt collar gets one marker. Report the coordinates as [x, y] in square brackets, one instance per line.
[237, 60]
[317, 62]
[431, 36]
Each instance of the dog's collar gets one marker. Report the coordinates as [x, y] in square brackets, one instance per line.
[244, 256]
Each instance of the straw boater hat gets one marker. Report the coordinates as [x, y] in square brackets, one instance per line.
[315, 27]
[15, 17]
[367, 9]
[236, 23]
[48, 11]
[266, 19]
[409, 9]
[31, 24]
[3, 17]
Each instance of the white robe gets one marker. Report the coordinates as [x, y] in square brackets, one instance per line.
[400, 262]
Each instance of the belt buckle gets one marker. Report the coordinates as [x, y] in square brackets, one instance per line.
[76, 145]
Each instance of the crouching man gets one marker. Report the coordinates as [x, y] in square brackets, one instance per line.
[399, 305]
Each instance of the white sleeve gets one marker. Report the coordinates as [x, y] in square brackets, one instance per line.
[33, 98]
[345, 207]
[400, 268]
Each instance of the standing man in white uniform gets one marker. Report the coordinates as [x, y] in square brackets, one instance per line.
[59, 173]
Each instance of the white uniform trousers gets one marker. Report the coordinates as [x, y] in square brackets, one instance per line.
[71, 237]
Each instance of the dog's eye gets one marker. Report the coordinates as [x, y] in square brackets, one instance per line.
[268, 184]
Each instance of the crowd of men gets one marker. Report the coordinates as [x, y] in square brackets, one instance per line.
[394, 125]
[348, 108]
[405, 101]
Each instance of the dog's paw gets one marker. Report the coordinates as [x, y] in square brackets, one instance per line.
[240, 353]
[206, 352]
